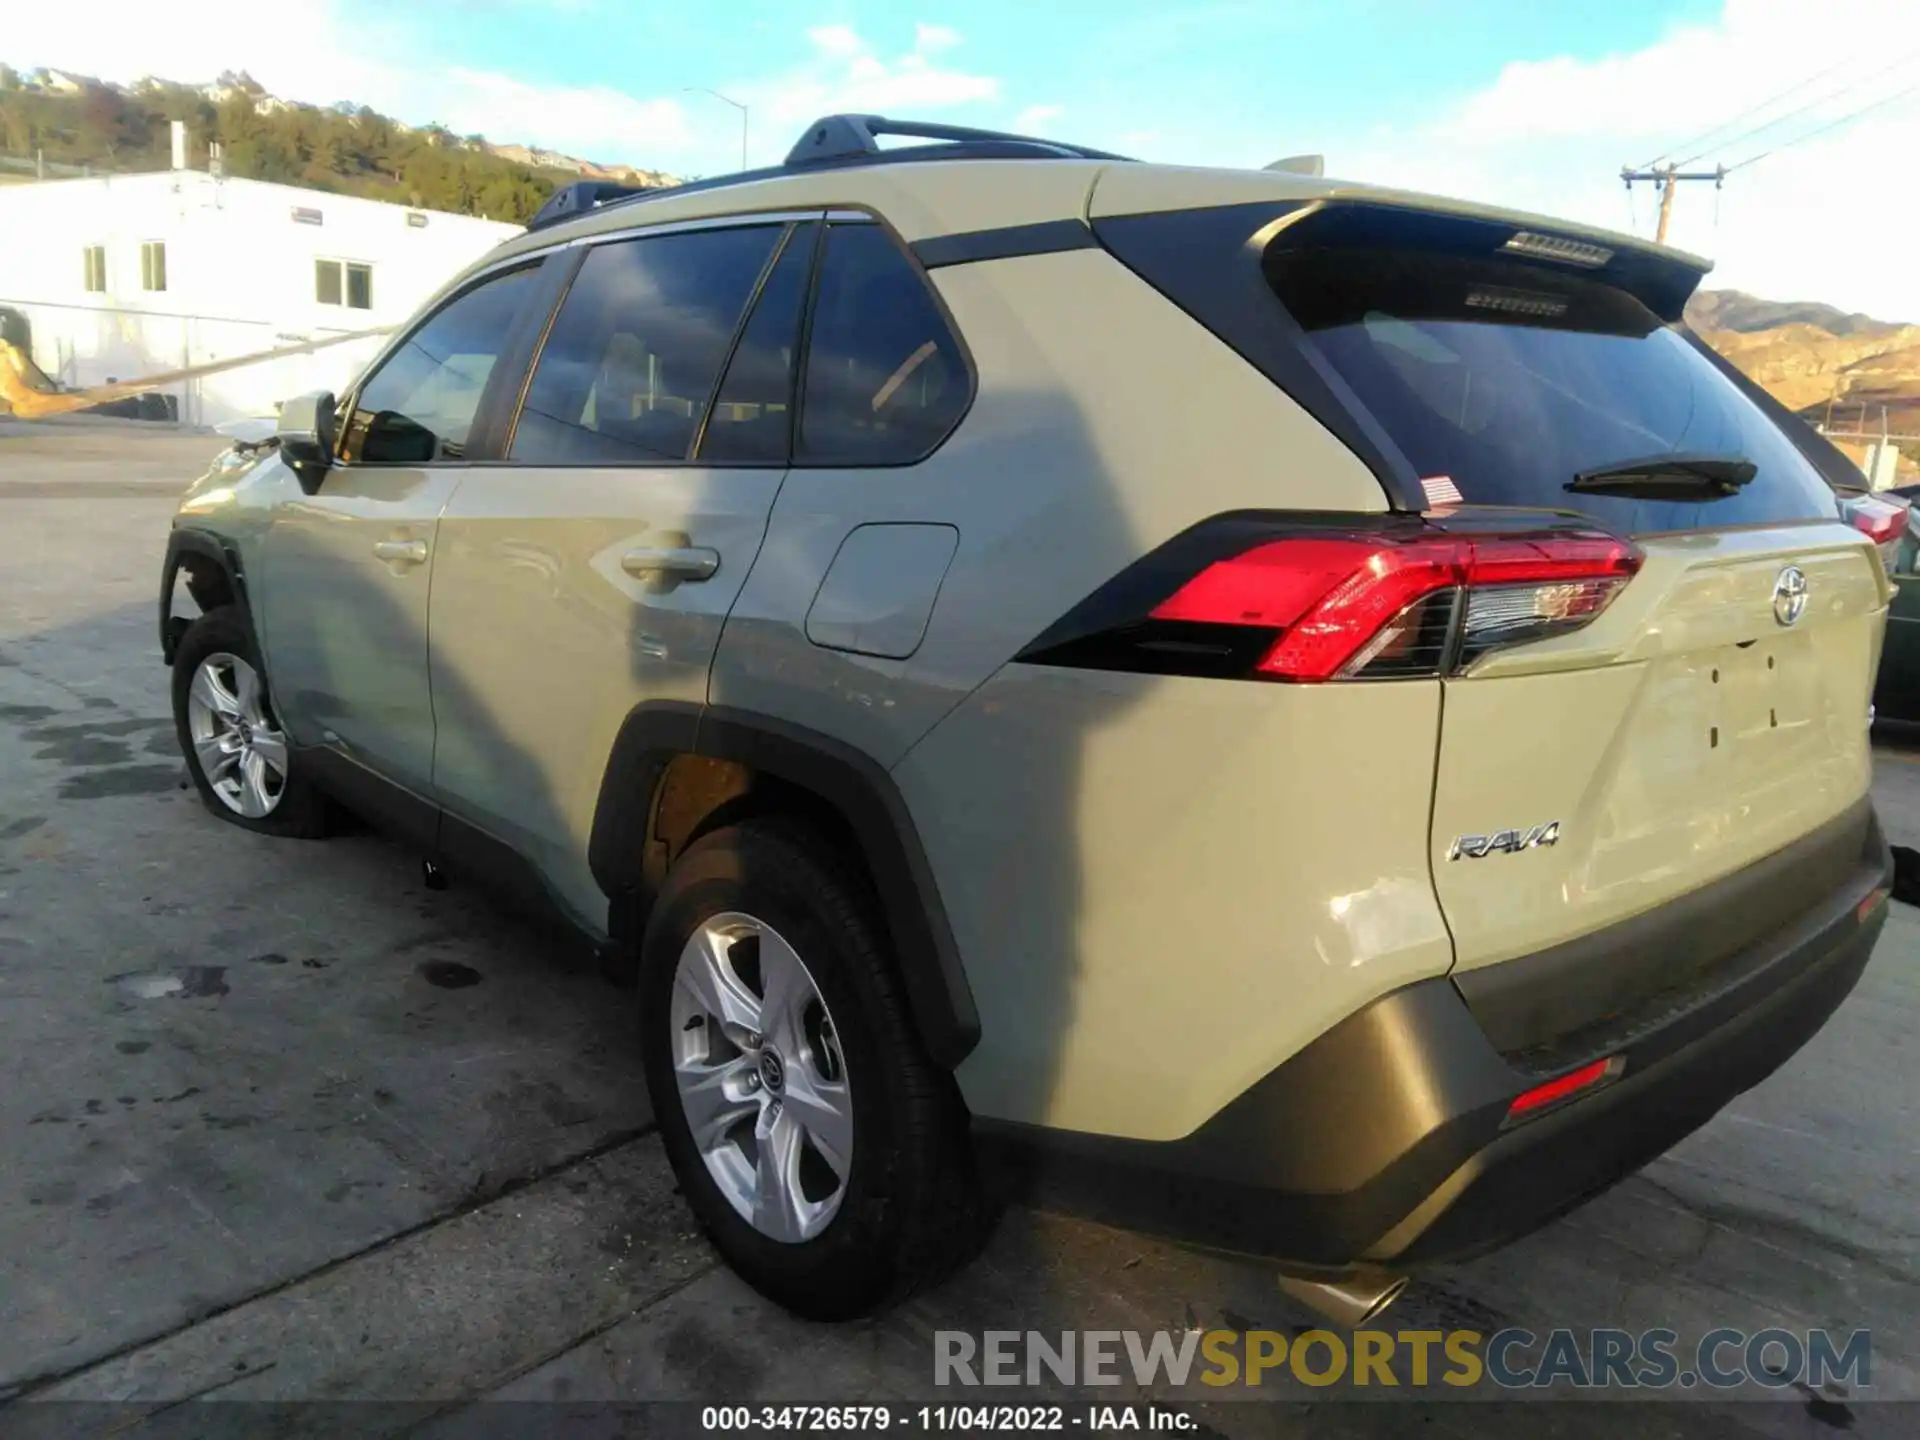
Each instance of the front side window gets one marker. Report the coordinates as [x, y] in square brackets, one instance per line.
[420, 404]
[624, 376]
[153, 265]
[885, 379]
[94, 267]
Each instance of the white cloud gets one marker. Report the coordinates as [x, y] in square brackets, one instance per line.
[1812, 221]
[1034, 119]
[836, 40]
[847, 74]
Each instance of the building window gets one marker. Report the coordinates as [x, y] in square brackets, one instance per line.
[343, 282]
[95, 258]
[153, 265]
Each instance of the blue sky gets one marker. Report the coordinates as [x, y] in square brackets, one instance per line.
[1534, 104]
[1230, 82]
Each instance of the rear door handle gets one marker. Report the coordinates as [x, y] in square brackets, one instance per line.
[401, 552]
[674, 562]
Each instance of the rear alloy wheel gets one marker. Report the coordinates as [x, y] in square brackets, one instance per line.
[761, 1079]
[823, 1152]
[237, 750]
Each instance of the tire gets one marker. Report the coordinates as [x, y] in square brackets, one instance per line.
[280, 801]
[907, 1209]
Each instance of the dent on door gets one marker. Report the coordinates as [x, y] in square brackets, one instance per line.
[878, 593]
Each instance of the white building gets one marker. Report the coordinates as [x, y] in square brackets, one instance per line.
[128, 275]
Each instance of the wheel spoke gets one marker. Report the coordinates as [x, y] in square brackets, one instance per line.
[212, 692]
[254, 800]
[824, 1110]
[271, 746]
[246, 691]
[779, 1209]
[708, 979]
[216, 753]
[715, 1099]
[785, 991]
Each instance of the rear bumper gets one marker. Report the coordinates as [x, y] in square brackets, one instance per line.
[1387, 1142]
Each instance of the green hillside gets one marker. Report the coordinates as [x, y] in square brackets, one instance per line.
[347, 149]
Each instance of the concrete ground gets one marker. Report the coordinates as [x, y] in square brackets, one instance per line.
[278, 1124]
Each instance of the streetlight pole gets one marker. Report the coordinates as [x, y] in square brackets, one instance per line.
[702, 90]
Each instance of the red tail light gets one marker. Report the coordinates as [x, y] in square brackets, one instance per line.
[1881, 521]
[1349, 605]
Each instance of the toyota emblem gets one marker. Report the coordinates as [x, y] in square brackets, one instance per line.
[1790, 595]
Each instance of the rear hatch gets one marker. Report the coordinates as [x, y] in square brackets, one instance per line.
[1715, 708]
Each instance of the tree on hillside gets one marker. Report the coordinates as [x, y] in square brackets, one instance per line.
[350, 149]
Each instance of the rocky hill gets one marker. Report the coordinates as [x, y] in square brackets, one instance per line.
[1830, 366]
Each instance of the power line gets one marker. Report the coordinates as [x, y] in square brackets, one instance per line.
[1818, 100]
[1743, 115]
[1846, 119]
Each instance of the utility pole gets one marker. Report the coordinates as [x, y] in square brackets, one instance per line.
[1665, 177]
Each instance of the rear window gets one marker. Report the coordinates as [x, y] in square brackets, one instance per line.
[1500, 380]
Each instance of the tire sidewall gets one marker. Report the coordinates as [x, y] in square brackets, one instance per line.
[838, 1270]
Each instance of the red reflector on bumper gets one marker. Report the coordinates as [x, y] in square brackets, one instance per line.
[1559, 1088]
[1868, 905]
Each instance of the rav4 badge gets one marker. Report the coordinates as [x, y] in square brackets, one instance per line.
[1504, 842]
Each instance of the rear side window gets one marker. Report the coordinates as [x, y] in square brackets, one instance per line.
[632, 358]
[885, 378]
[753, 414]
[1501, 381]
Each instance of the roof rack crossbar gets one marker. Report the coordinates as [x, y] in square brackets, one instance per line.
[580, 197]
[840, 137]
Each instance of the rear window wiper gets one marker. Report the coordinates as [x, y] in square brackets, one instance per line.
[1667, 477]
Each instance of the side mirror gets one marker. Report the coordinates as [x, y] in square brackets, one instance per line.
[306, 437]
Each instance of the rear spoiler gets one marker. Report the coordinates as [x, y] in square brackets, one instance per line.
[1663, 280]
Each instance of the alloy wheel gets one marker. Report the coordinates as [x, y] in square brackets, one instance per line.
[761, 1077]
[240, 746]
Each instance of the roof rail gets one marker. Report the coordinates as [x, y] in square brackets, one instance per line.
[580, 197]
[836, 140]
[844, 137]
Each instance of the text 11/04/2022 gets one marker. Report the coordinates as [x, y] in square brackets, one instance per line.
[947, 1419]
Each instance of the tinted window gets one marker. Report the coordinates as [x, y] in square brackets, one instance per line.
[419, 405]
[1507, 379]
[625, 374]
[885, 378]
[750, 417]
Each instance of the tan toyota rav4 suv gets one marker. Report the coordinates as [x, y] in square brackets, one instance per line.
[1312, 720]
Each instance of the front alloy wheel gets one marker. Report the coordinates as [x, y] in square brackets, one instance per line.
[761, 1078]
[241, 749]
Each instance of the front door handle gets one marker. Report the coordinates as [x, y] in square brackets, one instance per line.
[401, 552]
[672, 562]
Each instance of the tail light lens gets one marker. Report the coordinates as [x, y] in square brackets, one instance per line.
[1344, 606]
[1881, 521]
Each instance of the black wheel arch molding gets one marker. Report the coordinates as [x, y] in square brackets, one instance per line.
[189, 548]
[863, 795]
